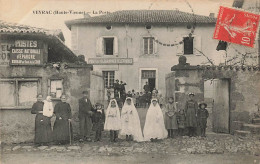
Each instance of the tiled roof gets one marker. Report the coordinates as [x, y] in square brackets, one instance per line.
[145, 16]
[54, 35]
[6, 27]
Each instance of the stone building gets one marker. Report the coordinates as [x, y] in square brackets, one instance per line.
[33, 61]
[139, 46]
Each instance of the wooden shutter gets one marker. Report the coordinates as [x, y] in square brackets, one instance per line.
[197, 45]
[100, 47]
[155, 45]
[115, 46]
[180, 47]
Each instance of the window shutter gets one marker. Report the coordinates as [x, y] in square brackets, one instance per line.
[197, 45]
[155, 47]
[99, 47]
[115, 46]
[180, 47]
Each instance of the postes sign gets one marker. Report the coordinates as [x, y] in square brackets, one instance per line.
[236, 26]
[26, 52]
[110, 61]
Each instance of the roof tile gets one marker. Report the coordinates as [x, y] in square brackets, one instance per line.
[145, 16]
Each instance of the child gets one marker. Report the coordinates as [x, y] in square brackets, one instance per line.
[134, 97]
[141, 99]
[98, 119]
[130, 122]
[154, 127]
[161, 101]
[137, 99]
[170, 117]
[181, 122]
[202, 116]
[112, 122]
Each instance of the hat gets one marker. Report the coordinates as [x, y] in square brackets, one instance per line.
[203, 103]
[117, 80]
[98, 104]
[85, 92]
[191, 93]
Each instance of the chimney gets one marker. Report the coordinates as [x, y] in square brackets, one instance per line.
[86, 15]
[212, 15]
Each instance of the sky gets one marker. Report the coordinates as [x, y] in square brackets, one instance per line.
[27, 11]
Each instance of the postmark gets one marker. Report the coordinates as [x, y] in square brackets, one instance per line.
[236, 26]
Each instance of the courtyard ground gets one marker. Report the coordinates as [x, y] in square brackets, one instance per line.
[214, 149]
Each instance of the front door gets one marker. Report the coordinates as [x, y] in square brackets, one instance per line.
[220, 111]
[151, 82]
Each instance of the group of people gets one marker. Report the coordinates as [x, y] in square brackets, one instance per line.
[120, 122]
[157, 125]
[61, 133]
[140, 99]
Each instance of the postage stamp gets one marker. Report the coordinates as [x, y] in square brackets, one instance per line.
[236, 26]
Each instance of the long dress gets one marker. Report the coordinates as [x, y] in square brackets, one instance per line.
[43, 132]
[171, 116]
[154, 124]
[130, 122]
[61, 128]
[112, 121]
[190, 112]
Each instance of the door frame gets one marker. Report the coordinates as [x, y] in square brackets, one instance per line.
[149, 69]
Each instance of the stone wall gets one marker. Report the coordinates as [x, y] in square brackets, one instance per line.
[244, 86]
[17, 125]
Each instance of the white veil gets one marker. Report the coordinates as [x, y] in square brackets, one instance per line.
[133, 125]
[116, 124]
[154, 126]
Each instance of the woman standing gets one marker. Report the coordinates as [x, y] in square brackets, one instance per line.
[43, 132]
[191, 108]
[171, 118]
[154, 127]
[62, 129]
[130, 122]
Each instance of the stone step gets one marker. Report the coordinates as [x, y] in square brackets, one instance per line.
[242, 133]
[254, 129]
[256, 121]
[236, 125]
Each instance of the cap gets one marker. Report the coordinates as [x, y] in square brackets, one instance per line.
[203, 103]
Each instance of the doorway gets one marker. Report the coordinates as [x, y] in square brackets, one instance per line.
[216, 95]
[151, 83]
[148, 76]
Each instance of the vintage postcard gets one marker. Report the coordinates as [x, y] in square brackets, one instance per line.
[120, 81]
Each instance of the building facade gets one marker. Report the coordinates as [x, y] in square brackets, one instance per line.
[35, 61]
[141, 46]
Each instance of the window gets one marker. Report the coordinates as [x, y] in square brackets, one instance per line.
[56, 88]
[146, 74]
[148, 45]
[18, 92]
[188, 45]
[109, 46]
[109, 78]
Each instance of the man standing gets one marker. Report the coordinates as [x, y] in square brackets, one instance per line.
[116, 89]
[146, 87]
[85, 112]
